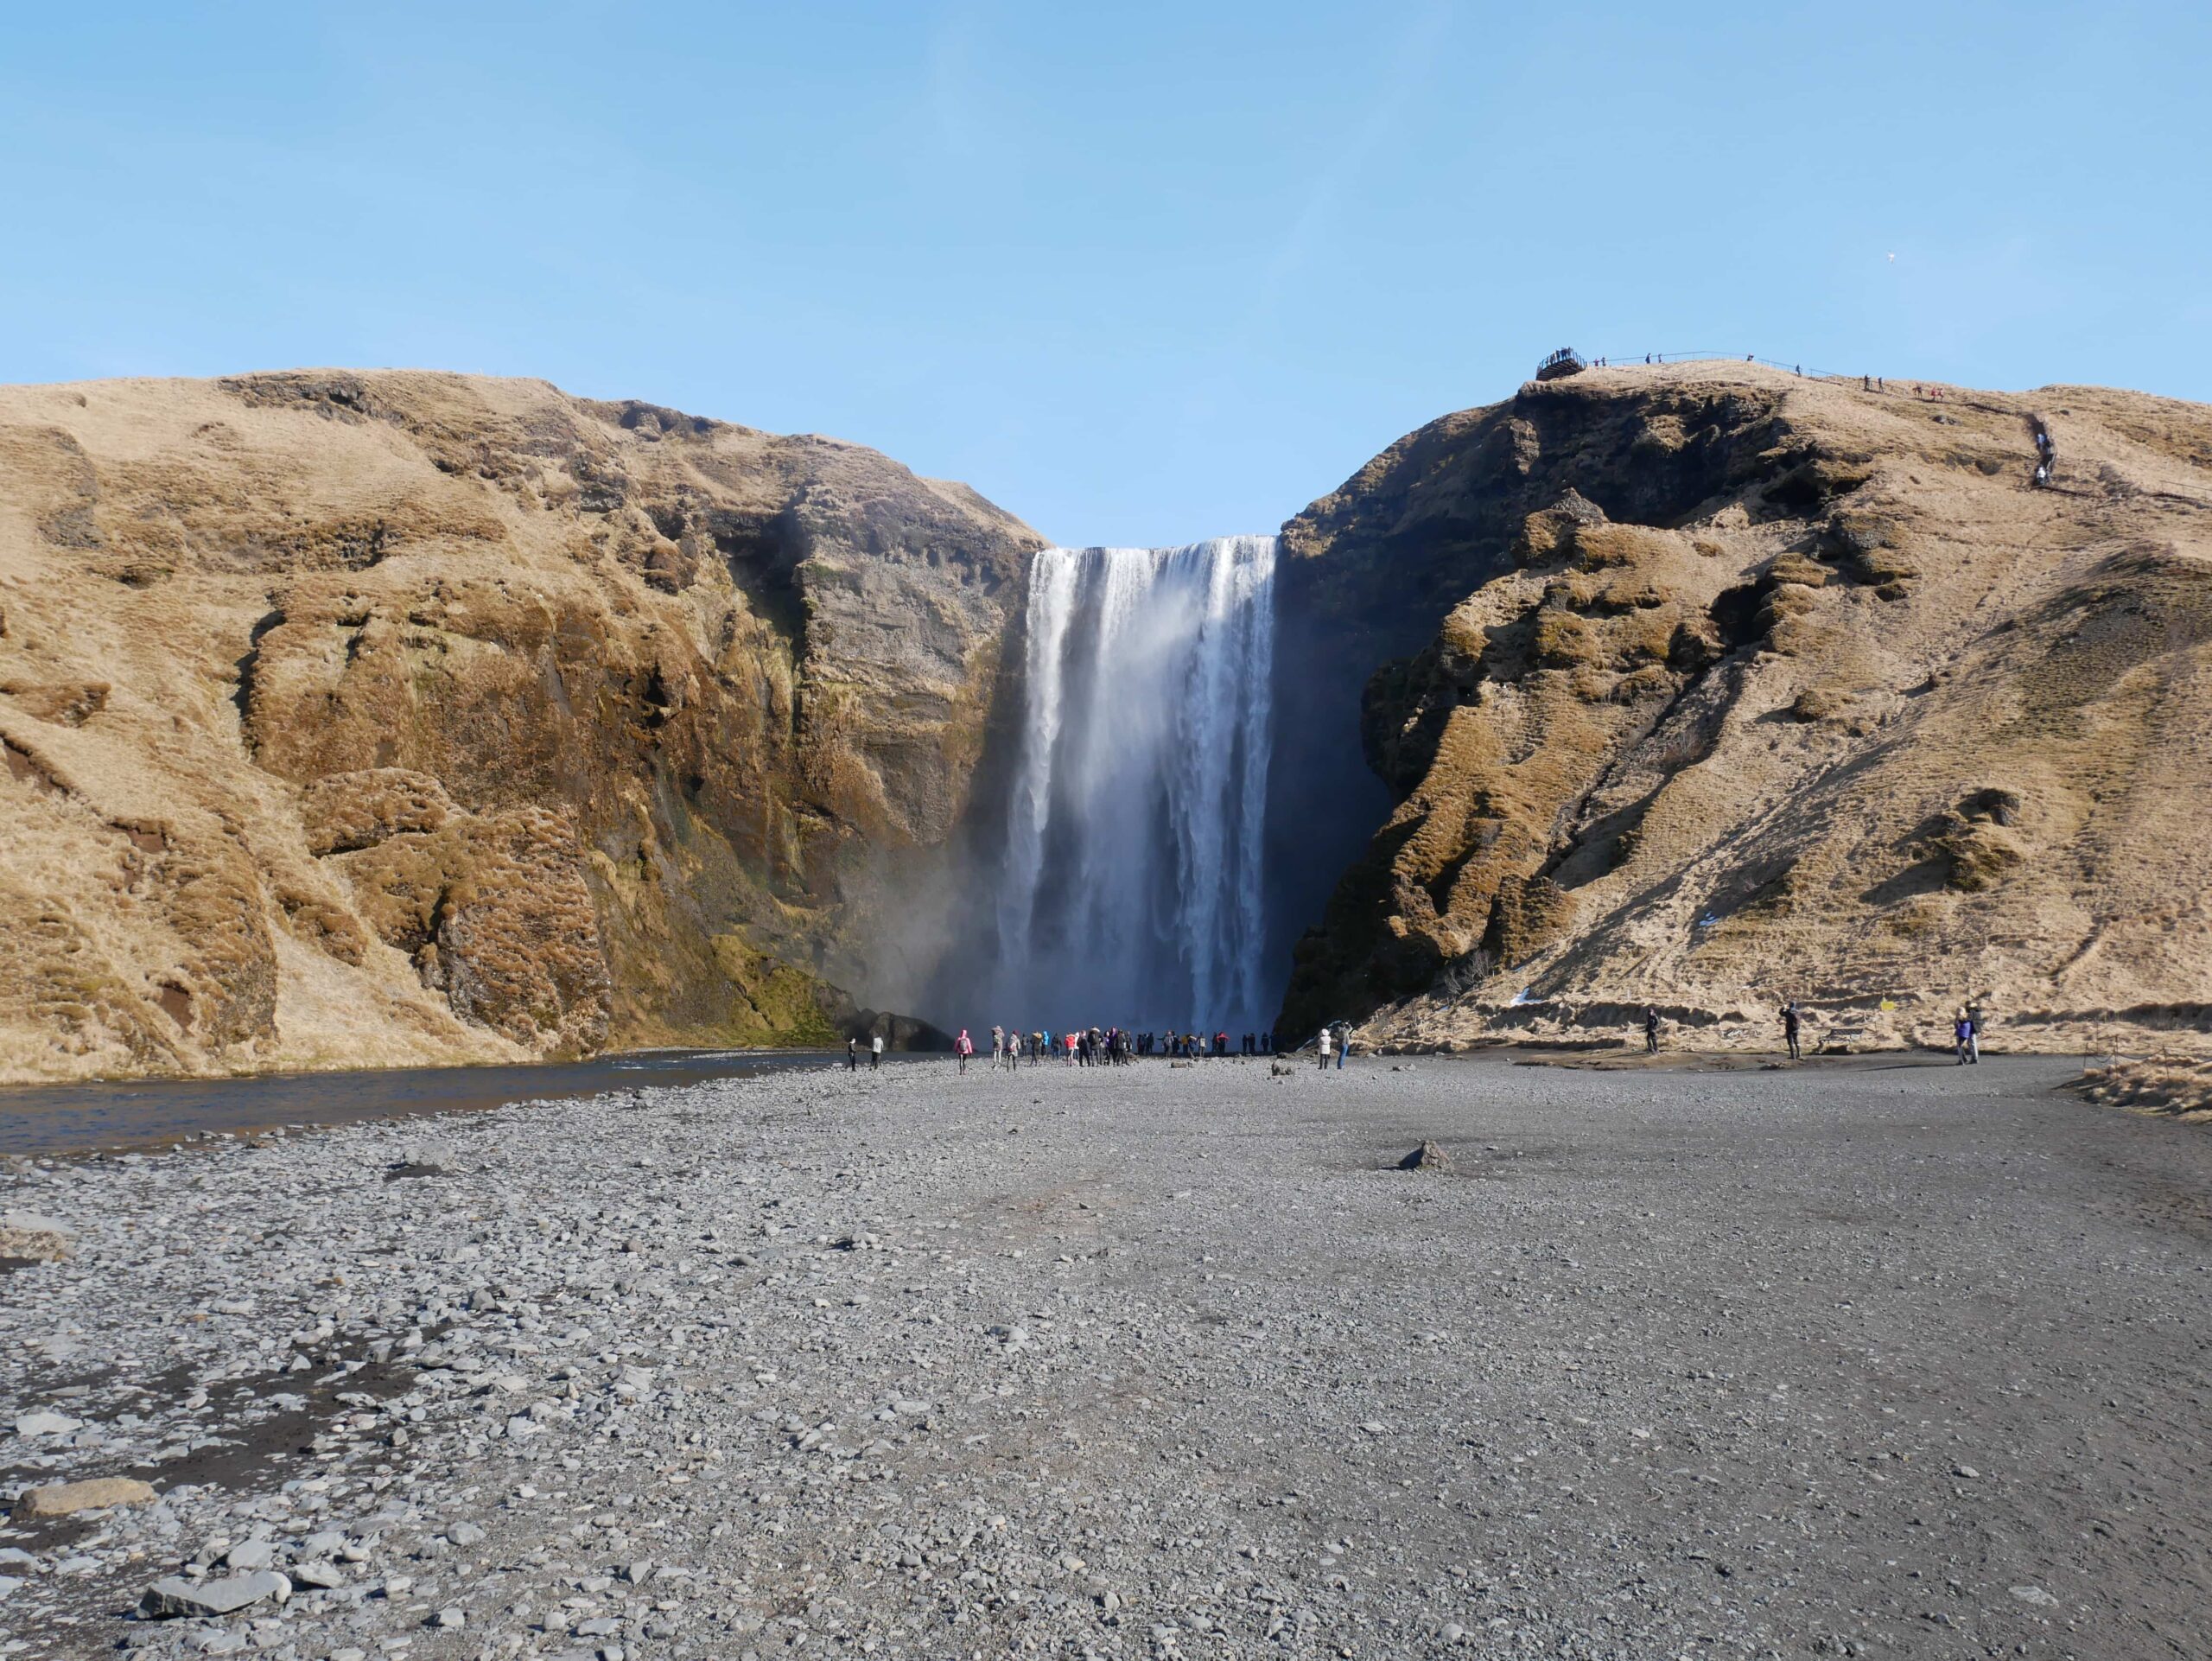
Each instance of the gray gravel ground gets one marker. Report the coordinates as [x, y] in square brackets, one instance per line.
[1873, 1358]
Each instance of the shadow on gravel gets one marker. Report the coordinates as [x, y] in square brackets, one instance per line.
[1749, 1061]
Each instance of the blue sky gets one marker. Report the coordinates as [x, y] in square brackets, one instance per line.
[1139, 272]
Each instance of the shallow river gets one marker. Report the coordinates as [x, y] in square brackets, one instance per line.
[71, 1119]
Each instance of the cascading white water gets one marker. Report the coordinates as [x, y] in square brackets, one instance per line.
[1132, 894]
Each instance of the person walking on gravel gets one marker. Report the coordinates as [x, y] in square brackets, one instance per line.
[1961, 1035]
[998, 1047]
[1650, 1029]
[963, 1046]
[874, 1051]
[1973, 1034]
[1321, 1044]
[1343, 1044]
[1791, 1022]
[852, 1053]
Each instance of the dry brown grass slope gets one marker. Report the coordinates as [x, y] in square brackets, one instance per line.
[1762, 687]
[371, 718]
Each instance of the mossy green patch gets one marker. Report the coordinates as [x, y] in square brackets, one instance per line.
[774, 1005]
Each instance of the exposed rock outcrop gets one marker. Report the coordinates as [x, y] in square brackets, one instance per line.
[1750, 687]
[369, 718]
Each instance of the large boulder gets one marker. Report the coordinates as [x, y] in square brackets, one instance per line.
[176, 1596]
[67, 1498]
[33, 1236]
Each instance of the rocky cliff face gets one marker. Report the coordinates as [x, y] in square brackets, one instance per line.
[1749, 687]
[370, 719]
[358, 719]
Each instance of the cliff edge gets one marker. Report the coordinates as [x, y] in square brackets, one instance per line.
[1750, 687]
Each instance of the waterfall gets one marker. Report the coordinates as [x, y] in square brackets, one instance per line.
[1132, 894]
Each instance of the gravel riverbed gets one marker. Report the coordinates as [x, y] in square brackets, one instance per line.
[1877, 1359]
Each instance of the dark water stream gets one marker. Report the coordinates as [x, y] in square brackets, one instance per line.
[75, 1118]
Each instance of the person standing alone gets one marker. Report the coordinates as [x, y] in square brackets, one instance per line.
[1790, 1022]
[852, 1053]
[874, 1051]
[1650, 1029]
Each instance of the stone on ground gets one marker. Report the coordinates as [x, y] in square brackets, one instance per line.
[66, 1499]
[178, 1596]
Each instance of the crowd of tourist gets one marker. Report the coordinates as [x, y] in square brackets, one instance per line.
[1110, 1047]
[1107, 1046]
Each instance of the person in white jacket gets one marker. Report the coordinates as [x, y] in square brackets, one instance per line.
[1321, 1044]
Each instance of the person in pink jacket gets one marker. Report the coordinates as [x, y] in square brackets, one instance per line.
[963, 1046]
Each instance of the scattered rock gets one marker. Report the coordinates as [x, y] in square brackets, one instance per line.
[1098, 1310]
